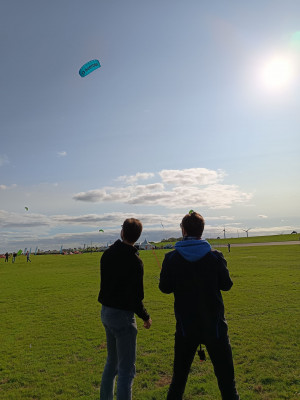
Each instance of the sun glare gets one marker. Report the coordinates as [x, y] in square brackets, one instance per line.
[278, 72]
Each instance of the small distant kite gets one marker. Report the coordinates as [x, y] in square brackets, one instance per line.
[191, 212]
[26, 208]
[89, 67]
[19, 252]
[101, 230]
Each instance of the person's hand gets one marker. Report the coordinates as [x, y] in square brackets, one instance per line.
[148, 323]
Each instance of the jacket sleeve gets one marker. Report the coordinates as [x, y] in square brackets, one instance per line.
[225, 282]
[166, 282]
[140, 309]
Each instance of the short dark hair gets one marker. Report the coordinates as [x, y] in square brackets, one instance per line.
[193, 224]
[132, 229]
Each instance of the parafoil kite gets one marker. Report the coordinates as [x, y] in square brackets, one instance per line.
[89, 67]
[26, 208]
[101, 230]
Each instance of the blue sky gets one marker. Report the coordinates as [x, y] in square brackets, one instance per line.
[196, 105]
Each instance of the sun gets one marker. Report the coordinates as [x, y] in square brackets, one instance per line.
[278, 72]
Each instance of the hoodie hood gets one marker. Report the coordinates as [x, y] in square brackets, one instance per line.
[193, 249]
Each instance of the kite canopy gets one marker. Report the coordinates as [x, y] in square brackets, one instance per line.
[19, 252]
[89, 67]
[26, 208]
[191, 212]
[101, 230]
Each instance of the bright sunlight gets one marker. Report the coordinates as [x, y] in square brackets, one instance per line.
[278, 72]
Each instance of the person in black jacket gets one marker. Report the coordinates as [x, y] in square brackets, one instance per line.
[121, 295]
[196, 274]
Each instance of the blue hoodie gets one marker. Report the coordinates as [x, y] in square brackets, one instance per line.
[192, 249]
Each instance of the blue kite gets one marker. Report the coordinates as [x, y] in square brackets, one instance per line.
[89, 67]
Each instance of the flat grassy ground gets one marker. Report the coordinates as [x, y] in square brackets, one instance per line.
[257, 239]
[53, 344]
[246, 240]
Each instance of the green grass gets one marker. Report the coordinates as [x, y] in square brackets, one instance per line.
[246, 240]
[257, 239]
[53, 343]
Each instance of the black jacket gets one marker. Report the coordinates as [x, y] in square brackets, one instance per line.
[199, 308]
[121, 285]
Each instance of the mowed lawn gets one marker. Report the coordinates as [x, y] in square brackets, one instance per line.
[52, 343]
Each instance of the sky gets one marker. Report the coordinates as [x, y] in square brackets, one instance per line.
[195, 106]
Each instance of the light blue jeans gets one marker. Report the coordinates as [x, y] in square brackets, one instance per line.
[121, 332]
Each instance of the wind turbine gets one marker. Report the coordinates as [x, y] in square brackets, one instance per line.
[224, 232]
[246, 230]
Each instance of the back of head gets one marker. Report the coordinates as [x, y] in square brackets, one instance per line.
[193, 224]
[132, 229]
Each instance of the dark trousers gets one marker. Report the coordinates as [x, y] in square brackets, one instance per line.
[219, 351]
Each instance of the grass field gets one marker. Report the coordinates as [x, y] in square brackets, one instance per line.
[257, 239]
[246, 240]
[53, 344]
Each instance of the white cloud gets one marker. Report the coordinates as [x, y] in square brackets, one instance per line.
[221, 217]
[124, 195]
[262, 216]
[61, 153]
[14, 220]
[136, 177]
[191, 176]
[29, 230]
[272, 230]
[213, 196]
[3, 159]
[5, 187]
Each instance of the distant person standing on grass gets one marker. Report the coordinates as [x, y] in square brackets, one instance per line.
[196, 274]
[14, 257]
[6, 257]
[121, 295]
[28, 256]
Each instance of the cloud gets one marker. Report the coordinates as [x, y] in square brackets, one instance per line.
[262, 216]
[124, 195]
[12, 240]
[29, 230]
[3, 159]
[213, 196]
[99, 195]
[194, 187]
[191, 176]
[61, 153]
[221, 217]
[5, 187]
[116, 218]
[14, 220]
[136, 177]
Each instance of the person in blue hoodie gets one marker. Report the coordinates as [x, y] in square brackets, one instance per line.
[196, 274]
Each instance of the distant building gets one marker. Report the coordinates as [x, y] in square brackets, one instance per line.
[145, 245]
